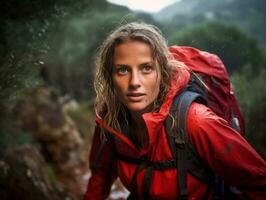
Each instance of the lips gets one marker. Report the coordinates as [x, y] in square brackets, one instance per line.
[135, 97]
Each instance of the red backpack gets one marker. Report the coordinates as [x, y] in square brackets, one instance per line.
[208, 72]
[220, 93]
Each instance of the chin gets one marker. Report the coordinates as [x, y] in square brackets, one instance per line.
[139, 108]
[134, 109]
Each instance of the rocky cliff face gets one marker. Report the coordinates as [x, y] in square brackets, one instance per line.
[55, 166]
[60, 145]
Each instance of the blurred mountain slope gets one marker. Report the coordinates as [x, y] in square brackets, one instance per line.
[248, 15]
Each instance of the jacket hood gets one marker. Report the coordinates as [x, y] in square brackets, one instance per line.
[154, 120]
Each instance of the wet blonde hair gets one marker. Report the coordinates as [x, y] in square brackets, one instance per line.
[108, 107]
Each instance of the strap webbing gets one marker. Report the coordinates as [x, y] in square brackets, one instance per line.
[186, 99]
[182, 168]
[134, 193]
[132, 160]
[157, 165]
[183, 102]
[147, 183]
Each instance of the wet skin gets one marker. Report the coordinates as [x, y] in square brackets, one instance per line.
[136, 76]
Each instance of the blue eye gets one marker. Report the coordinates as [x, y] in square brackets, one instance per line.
[122, 70]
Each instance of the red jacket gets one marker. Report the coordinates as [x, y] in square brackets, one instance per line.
[225, 152]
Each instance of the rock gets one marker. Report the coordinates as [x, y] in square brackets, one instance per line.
[43, 116]
[25, 175]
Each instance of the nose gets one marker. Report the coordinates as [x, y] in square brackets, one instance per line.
[134, 81]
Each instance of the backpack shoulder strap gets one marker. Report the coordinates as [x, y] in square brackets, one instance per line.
[186, 99]
[186, 157]
[176, 121]
[182, 106]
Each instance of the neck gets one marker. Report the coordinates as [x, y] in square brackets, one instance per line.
[137, 117]
[137, 121]
[138, 129]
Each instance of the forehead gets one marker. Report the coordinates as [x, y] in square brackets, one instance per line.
[133, 49]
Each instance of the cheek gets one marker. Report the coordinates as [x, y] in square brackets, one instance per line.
[115, 82]
[118, 87]
[155, 87]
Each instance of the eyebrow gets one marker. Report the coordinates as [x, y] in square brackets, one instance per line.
[141, 65]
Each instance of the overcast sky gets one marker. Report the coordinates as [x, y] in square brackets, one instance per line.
[144, 5]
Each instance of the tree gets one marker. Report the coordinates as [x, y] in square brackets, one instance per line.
[251, 93]
[234, 47]
[26, 29]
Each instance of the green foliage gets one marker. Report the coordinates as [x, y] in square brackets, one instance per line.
[231, 45]
[251, 93]
[11, 135]
[27, 27]
[16, 77]
[248, 15]
[24, 28]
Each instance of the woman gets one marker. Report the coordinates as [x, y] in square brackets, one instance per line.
[136, 82]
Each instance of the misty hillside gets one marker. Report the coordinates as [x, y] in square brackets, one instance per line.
[248, 15]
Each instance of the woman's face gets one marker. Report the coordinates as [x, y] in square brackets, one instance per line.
[136, 76]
